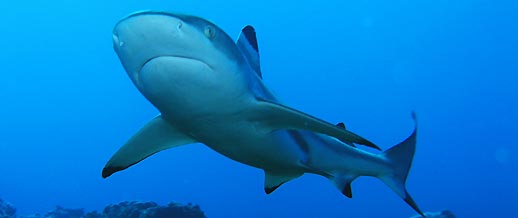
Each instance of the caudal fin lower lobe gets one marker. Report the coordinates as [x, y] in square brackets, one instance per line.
[401, 156]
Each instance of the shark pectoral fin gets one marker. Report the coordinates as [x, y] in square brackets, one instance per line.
[277, 116]
[274, 180]
[155, 136]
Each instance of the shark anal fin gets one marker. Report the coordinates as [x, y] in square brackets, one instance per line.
[276, 116]
[343, 183]
[347, 191]
[274, 180]
[247, 44]
[155, 136]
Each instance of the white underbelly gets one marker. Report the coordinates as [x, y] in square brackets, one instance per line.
[243, 142]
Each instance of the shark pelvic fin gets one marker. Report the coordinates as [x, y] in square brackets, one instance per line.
[155, 136]
[247, 44]
[276, 116]
[274, 180]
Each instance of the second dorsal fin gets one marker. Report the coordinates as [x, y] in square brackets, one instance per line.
[247, 44]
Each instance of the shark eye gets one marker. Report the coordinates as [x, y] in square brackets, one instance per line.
[210, 32]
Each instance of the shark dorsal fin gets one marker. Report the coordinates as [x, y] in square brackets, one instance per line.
[247, 44]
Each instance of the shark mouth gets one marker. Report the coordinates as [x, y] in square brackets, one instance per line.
[175, 57]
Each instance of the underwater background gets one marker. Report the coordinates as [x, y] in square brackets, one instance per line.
[67, 105]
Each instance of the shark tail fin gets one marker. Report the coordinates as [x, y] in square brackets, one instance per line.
[401, 156]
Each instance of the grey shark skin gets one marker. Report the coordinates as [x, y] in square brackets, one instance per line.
[209, 89]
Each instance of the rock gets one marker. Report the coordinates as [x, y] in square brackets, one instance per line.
[60, 212]
[136, 209]
[33, 216]
[93, 214]
[440, 214]
[7, 210]
[174, 210]
[126, 209]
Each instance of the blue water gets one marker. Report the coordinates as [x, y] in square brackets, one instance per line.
[67, 105]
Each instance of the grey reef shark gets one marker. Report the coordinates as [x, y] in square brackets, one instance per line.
[209, 90]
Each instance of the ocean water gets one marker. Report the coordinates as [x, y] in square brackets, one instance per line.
[67, 105]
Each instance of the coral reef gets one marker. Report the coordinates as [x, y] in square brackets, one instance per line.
[136, 209]
[7, 210]
[60, 212]
[126, 209]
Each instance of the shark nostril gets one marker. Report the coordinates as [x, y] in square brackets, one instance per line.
[180, 24]
[117, 41]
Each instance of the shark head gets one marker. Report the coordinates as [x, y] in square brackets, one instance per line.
[174, 58]
[143, 36]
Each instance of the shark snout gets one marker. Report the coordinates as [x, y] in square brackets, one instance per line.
[142, 37]
[147, 29]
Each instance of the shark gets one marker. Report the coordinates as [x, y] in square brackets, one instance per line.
[209, 89]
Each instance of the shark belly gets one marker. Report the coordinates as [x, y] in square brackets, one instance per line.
[245, 142]
[218, 121]
[194, 92]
